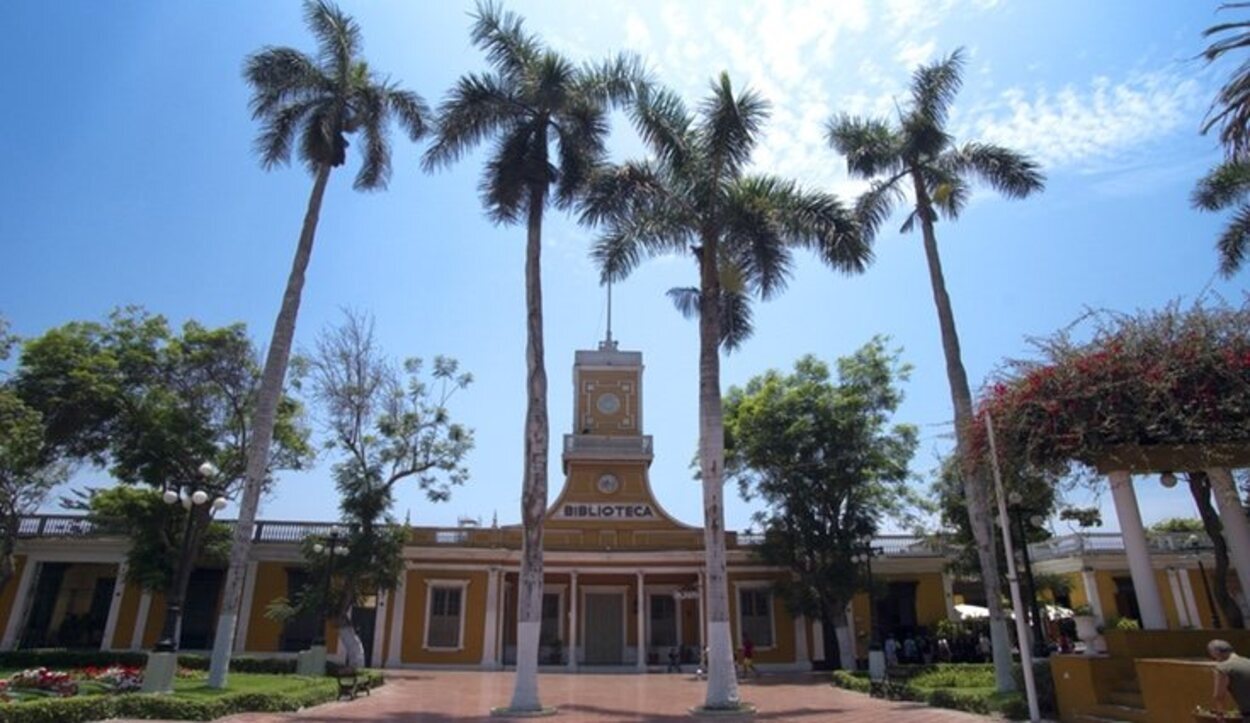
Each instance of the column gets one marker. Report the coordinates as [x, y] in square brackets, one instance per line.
[948, 594]
[1236, 529]
[21, 604]
[141, 621]
[1187, 591]
[379, 628]
[702, 616]
[115, 605]
[641, 663]
[1174, 586]
[491, 619]
[818, 640]
[393, 651]
[1090, 582]
[800, 641]
[572, 664]
[1149, 601]
[245, 609]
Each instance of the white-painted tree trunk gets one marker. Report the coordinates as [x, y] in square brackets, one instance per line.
[846, 646]
[349, 643]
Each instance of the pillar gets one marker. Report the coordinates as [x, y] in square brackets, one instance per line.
[379, 628]
[948, 594]
[491, 619]
[572, 664]
[800, 641]
[115, 605]
[1149, 601]
[702, 616]
[1236, 529]
[1187, 592]
[1178, 600]
[245, 609]
[641, 663]
[394, 648]
[1090, 582]
[141, 620]
[21, 605]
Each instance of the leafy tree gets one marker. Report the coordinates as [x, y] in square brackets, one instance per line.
[1178, 524]
[1082, 516]
[917, 156]
[694, 196]
[154, 405]
[389, 427]
[548, 119]
[1200, 489]
[319, 101]
[825, 459]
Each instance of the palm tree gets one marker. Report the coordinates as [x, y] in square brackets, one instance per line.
[318, 101]
[1228, 184]
[548, 119]
[918, 156]
[694, 196]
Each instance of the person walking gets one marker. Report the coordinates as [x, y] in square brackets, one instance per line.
[1232, 680]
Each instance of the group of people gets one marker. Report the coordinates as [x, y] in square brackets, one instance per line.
[922, 649]
[744, 661]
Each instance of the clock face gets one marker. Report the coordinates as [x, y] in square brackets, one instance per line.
[608, 403]
[608, 484]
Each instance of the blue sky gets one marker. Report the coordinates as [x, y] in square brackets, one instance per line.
[130, 180]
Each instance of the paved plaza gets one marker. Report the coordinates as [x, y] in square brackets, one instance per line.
[445, 696]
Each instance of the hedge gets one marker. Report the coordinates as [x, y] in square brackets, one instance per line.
[83, 709]
[70, 659]
[955, 686]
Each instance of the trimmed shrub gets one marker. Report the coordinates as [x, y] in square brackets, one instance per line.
[857, 682]
[69, 659]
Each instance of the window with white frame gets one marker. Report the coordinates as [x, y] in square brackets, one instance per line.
[443, 625]
[755, 616]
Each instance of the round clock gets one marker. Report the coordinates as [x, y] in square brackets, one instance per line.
[608, 484]
[608, 403]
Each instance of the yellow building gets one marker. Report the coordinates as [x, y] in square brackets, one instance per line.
[624, 579]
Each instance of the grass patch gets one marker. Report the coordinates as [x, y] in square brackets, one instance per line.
[965, 687]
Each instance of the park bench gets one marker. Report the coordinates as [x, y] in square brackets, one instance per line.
[351, 683]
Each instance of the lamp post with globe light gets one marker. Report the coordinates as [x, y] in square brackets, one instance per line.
[329, 549]
[1040, 647]
[194, 501]
[876, 658]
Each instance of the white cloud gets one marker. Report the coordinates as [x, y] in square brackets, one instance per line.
[910, 54]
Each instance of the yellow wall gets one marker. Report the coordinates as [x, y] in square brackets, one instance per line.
[263, 633]
[470, 652]
[9, 592]
[930, 599]
[126, 612]
[1200, 597]
[624, 421]
[783, 625]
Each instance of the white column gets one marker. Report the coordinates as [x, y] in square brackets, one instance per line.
[948, 594]
[641, 663]
[572, 664]
[21, 605]
[1236, 529]
[491, 618]
[1090, 582]
[379, 628]
[1174, 586]
[818, 640]
[1187, 592]
[245, 609]
[115, 605]
[393, 657]
[141, 620]
[800, 641]
[1149, 601]
[501, 616]
[848, 650]
[702, 615]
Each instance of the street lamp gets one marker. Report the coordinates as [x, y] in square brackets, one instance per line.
[191, 501]
[864, 557]
[331, 548]
[1040, 648]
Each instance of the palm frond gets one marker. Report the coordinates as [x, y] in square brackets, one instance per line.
[736, 322]
[1234, 242]
[410, 110]
[582, 131]
[279, 76]
[273, 144]
[1226, 184]
[502, 36]
[686, 300]
[869, 144]
[372, 113]
[875, 206]
[510, 173]
[649, 228]
[612, 191]
[661, 119]
[478, 106]
[1009, 172]
[338, 36]
[321, 139]
[934, 87]
[730, 125]
[616, 81]
[753, 235]
[948, 191]
[1231, 108]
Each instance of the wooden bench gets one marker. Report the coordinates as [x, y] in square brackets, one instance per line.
[351, 683]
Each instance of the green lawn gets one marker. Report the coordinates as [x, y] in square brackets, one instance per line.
[197, 688]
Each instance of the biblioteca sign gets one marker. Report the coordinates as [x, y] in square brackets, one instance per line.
[606, 511]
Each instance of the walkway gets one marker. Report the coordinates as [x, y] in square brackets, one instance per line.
[447, 697]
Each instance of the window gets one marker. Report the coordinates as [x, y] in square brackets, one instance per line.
[298, 631]
[443, 625]
[550, 632]
[755, 616]
[663, 621]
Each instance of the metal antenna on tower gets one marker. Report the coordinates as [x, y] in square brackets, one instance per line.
[608, 343]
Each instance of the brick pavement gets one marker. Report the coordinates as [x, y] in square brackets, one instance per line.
[433, 696]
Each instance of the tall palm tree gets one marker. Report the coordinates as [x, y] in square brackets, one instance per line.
[548, 120]
[1227, 186]
[694, 196]
[318, 101]
[918, 157]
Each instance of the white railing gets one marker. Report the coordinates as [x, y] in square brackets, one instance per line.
[1096, 543]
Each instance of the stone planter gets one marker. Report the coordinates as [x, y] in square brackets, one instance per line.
[1087, 632]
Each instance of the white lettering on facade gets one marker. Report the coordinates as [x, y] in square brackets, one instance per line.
[605, 511]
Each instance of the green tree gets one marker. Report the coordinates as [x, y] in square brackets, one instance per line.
[153, 406]
[694, 196]
[27, 471]
[828, 464]
[1178, 524]
[918, 156]
[390, 427]
[318, 101]
[548, 119]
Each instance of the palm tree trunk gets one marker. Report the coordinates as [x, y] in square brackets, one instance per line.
[262, 433]
[534, 492]
[975, 489]
[722, 679]
[1200, 489]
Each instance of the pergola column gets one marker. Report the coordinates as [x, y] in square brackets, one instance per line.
[1149, 601]
[641, 663]
[115, 605]
[1090, 582]
[572, 664]
[1233, 518]
[491, 621]
[1178, 601]
[21, 605]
